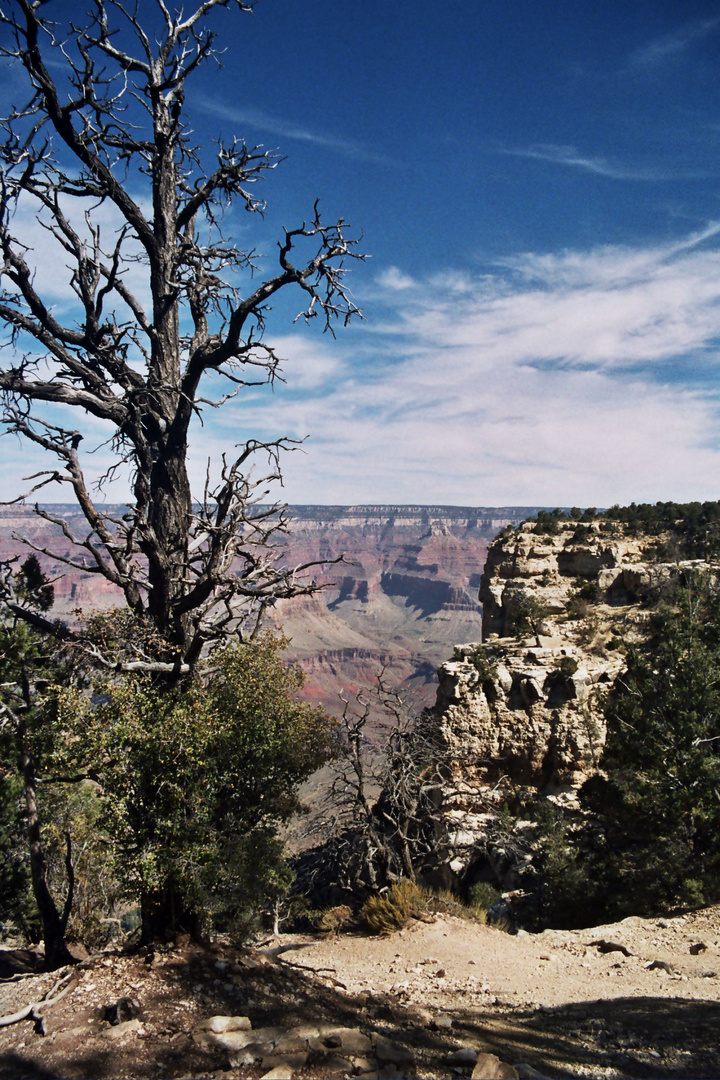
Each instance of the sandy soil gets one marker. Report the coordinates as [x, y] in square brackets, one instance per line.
[555, 1003]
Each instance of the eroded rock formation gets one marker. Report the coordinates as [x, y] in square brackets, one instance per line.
[406, 590]
[520, 711]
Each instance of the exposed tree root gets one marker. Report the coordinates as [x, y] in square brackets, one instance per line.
[36, 1010]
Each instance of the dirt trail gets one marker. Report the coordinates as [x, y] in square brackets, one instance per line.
[488, 967]
[555, 1003]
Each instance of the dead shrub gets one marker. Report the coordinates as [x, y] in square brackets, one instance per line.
[390, 911]
[332, 920]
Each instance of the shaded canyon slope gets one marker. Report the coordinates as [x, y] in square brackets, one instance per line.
[405, 593]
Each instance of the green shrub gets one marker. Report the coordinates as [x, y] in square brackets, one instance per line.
[568, 666]
[581, 534]
[525, 617]
[568, 894]
[483, 895]
[196, 782]
[484, 666]
[588, 590]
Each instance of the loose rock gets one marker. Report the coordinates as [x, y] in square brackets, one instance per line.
[280, 1072]
[126, 1028]
[220, 1024]
[464, 1056]
[490, 1067]
[388, 1051]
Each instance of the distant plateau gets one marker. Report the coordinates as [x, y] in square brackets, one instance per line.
[404, 595]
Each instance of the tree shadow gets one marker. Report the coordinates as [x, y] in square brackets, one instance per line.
[19, 962]
[630, 1037]
[627, 1037]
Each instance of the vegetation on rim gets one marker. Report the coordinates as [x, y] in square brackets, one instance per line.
[168, 318]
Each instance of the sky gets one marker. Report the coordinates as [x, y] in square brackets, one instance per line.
[536, 184]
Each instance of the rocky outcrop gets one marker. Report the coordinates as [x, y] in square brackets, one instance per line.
[520, 711]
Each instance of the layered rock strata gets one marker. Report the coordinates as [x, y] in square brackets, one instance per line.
[405, 590]
[520, 711]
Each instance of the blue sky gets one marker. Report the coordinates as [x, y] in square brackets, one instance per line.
[537, 184]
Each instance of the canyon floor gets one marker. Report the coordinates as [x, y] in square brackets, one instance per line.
[556, 1004]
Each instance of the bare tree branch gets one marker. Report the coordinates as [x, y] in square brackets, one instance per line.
[101, 155]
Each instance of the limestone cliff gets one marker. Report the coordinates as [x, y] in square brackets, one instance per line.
[520, 711]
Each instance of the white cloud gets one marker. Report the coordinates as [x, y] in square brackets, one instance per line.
[577, 378]
[310, 364]
[572, 380]
[597, 164]
[395, 280]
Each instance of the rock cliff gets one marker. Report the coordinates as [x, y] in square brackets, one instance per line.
[520, 711]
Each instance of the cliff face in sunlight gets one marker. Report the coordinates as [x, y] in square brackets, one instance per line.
[406, 590]
[519, 711]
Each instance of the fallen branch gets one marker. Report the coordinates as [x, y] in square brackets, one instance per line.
[18, 976]
[279, 949]
[36, 1010]
[315, 971]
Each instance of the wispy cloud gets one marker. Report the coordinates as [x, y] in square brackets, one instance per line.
[286, 129]
[613, 265]
[668, 46]
[570, 157]
[581, 378]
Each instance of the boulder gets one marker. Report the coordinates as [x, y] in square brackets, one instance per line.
[490, 1067]
[220, 1024]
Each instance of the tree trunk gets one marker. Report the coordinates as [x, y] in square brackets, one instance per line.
[169, 515]
[164, 914]
[166, 422]
[53, 926]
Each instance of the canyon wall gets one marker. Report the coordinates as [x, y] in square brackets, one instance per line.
[405, 592]
[519, 710]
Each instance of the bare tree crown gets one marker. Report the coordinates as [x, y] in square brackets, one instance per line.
[164, 303]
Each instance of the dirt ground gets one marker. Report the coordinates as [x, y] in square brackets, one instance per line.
[557, 1004]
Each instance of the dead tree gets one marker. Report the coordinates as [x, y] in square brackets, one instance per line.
[386, 800]
[165, 307]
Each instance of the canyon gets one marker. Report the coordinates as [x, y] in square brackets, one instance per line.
[404, 594]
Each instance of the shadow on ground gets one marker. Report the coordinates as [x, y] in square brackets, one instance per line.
[178, 987]
[622, 1037]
